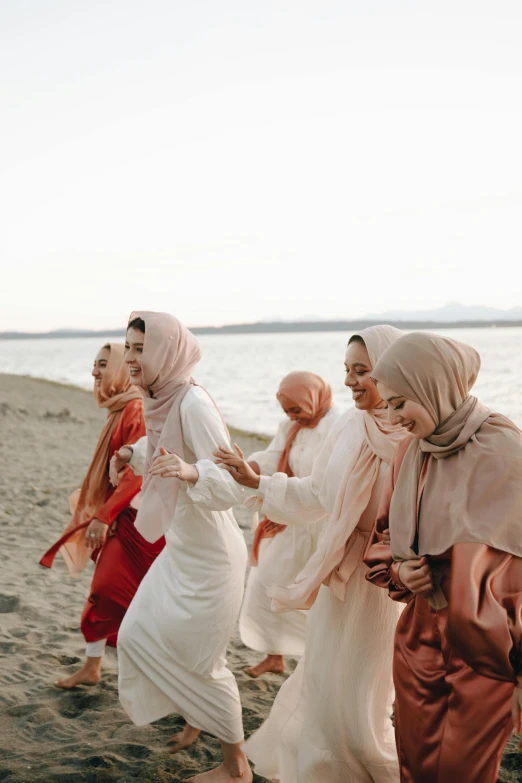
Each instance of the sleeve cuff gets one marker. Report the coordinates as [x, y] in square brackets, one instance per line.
[262, 489]
[395, 577]
[200, 491]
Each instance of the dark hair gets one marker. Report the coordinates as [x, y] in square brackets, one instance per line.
[137, 323]
[356, 338]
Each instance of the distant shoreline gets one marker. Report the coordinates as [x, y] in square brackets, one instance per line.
[273, 328]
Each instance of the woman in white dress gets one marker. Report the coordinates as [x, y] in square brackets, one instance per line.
[279, 552]
[172, 642]
[331, 720]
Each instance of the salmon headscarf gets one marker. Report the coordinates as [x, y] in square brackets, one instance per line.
[114, 393]
[472, 462]
[170, 353]
[341, 546]
[313, 395]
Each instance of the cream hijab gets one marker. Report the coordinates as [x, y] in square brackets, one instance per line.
[170, 353]
[340, 548]
[473, 489]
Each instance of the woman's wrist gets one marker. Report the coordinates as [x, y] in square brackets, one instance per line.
[395, 573]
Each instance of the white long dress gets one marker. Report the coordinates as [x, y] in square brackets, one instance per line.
[172, 641]
[331, 720]
[281, 558]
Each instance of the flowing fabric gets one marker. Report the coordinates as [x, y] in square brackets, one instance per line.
[313, 395]
[476, 495]
[170, 353]
[114, 393]
[340, 547]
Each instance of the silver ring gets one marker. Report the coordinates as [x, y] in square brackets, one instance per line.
[92, 535]
[176, 473]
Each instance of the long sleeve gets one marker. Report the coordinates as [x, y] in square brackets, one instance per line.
[130, 427]
[378, 557]
[268, 459]
[302, 501]
[485, 610]
[139, 456]
[203, 433]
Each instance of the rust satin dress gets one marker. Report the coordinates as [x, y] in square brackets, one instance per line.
[125, 557]
[454, 669]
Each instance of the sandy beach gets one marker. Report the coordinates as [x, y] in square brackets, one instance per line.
[48, 436]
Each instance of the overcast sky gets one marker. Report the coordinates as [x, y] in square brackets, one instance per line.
[233, 161]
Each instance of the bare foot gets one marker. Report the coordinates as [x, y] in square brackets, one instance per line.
[184, 739]
[85, 676]
[222, 775]
[272, 663]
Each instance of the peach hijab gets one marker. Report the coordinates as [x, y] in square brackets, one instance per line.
[473, 487]
[170, 353]
[114, 392]
[313, 395]
[340, 546]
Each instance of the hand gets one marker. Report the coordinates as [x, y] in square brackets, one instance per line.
[119, 459]
[171, 466]
[95, 534]
[274, 527]
[516, 713]
[416, 576]
[386, 538]
[237, 466]
[255, 467]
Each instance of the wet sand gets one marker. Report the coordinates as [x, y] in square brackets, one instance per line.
[83, 736]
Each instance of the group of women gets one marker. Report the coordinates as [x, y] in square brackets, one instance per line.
[416, 489]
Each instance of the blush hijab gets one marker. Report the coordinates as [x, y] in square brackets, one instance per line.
[340, 546]
[313, 395]
[472, 462]
[170, 354]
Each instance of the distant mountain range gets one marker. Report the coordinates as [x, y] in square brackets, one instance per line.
[452, 312]
[451, 315]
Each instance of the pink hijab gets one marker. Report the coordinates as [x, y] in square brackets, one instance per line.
[340, 547]
[313, 395]
[310, 393]
[170, 353]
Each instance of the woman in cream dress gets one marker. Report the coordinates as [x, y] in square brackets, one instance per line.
[331, 721]
[172, 642]
[280, 552]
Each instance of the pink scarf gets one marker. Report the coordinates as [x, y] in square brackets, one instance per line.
[170, 353]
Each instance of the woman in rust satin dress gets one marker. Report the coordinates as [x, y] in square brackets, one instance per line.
[102, 525]
[448, 542]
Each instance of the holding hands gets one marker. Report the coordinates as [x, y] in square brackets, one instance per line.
[171, 466]
[237, 466]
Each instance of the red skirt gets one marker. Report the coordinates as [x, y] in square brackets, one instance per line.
[122, 563]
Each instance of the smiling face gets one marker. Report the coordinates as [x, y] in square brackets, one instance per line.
[358, 371]
[133, 355]
[100, 365]
[293, 411]
[409, 414]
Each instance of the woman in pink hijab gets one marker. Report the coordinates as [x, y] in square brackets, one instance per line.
[279, 552]
[331, 720]
[172, 643]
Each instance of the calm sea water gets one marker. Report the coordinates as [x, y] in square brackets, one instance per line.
[242, 372]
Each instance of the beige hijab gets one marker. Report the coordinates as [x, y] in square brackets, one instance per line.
[170, 353]
[340, 547]
[473, 489]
